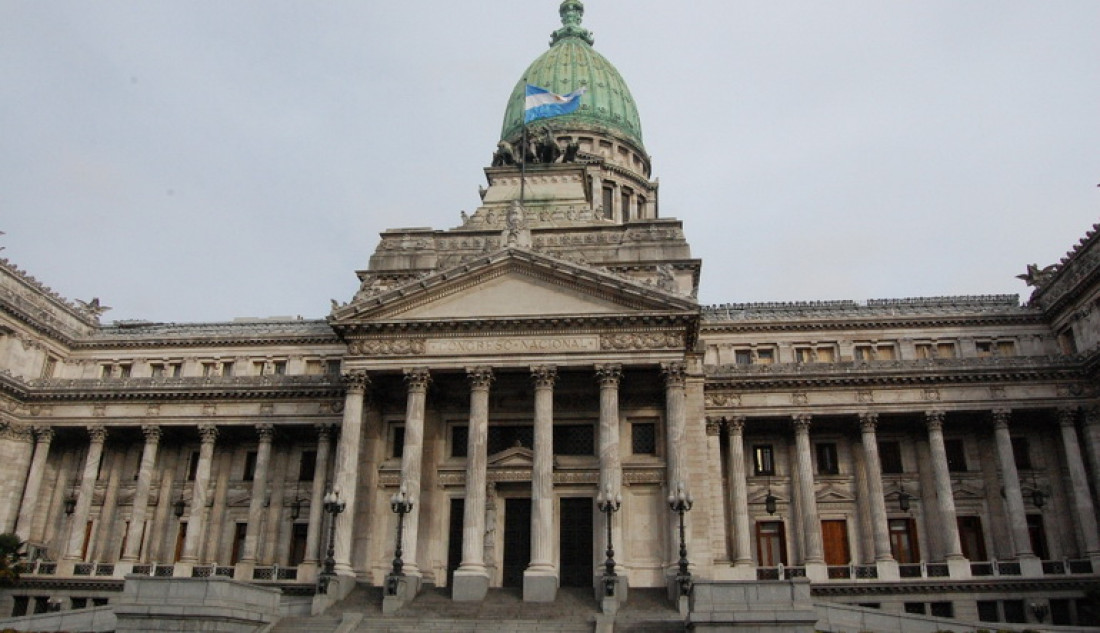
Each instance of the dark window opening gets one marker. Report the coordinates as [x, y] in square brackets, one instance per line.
[307, 467]
[988, 612]
[250, 465]
[942, 609]
[763, 460]
[398, 442]
[460, 437]
[501, 438]
[956, 455]
[889, 456]
[827, 459]
[643, 438]
[575, 439]
[1021, 452]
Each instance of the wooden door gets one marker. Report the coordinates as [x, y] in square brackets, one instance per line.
[771, 544]
[903, 541]
[181, 538]
[971, 538]
[1038, 536]
[834, 537]
[298, 544]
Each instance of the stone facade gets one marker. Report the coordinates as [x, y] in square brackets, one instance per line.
[937, 455]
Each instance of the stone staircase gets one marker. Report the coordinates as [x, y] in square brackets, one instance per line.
[502, 611]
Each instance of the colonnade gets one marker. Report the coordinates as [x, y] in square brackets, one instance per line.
[942, 497]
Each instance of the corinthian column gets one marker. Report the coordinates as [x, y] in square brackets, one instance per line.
[884, 559]
[610, 464]
[945, 496]
[43, 437]
[141, 493]
[540, 580]
[346, 471]
[320, 470]
[807, 498]
[471, 579]
[74, 551]
[256, 503]
[1014, 498]
[1083, 512]
[196, 520]
[1092, 442]
[675, 382]
[412, 459]
[739, 495]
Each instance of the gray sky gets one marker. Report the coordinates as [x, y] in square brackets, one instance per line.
[202, 160]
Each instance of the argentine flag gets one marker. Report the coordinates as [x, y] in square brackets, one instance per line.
[543, 104]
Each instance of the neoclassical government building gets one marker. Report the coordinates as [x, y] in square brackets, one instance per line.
[936, 455]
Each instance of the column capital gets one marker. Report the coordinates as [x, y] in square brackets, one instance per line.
[1000, 418]
[479, 377]
[868, 421]
[152, 433]
[1092, 415]
[208, 433]
[933, 419]
[417, 378]
[1067, 416]
[266, 432]
[714, 426]
[43, 434]
[356, 381]
[324, 431]
[98, 433]
[675, 374]
[17, 432]
[609, 375]
[801, 422]
[736, 424]
[544, 376]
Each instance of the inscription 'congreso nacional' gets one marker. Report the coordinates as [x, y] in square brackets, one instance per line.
[526, 345]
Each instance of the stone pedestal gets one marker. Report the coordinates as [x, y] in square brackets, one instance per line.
[958, 567]
[539, 586]
[609, 604]
[470, 586]
[1031, 566]
[399, 591]
[756, 607]
[817, 571]
[888, 570]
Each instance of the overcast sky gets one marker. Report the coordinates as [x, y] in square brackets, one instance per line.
[204, 160]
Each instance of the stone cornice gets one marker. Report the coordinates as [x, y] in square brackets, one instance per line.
[513, 326]
[895, 372]
[234, 334]
[1080, 267]
[162, 389]
[999, 584]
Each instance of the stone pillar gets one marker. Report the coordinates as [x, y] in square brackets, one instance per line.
[346, 471]
[1030, 565]
[945, 497]
[412, 459]
[1092, 442]
[471, 579]
[140, 505]
[28, 506]
[256, 502]
[17, 447]
[611, 469]
[884, 559]
[675, 377]
[79, 518]
[1083, 512]
[540, 579]
[739, 498]
[816, 569]
[196, 518]
[310, 565]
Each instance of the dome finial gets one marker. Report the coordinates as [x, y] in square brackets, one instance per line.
[572, 13]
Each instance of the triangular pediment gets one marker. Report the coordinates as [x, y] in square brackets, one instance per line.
[513, 283]
[515, 457]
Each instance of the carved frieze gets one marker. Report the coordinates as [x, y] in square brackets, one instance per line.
[392, 347]
[629, 341]
[722, 399]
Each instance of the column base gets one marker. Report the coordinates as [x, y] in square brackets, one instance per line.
[1031, 566]
[888, 569]
[611, 592]
[183, 569]
[817, 571]
[470, 586]
[958, 567]
[539, 585]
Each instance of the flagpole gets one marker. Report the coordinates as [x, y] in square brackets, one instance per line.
[523, 149]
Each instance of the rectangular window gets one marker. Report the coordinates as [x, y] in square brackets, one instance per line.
[157, 370]
[192, 465]
[209, 369]
[249, 466]
[258, 367]
[915, 608]
[332, 367]
[643, 438]
[227, 368]
[575, 439]
[503, 437]
[742, 357]
[313, 368]
[398, 445]
[625, 200]
[279, 367]
[803, 355]
[972, 538]
[825, 355]
[827, 459]
[889, 455]
[124, 370]
[1006, 348]
[945, 350]
[1038, 536]
[984, 348]
[886, 351]
[763, 460]
[307, 467]
[956, 455]
[608, 203]
[19, 606]
[48, 367]
[1014, 611]
[942, 609]
[1021, 453]
[765, 356]
[988, 612]
[105, 371]
[924, 351]
[240, 531]
[863, 353]
[460, 438]
[1060, 612]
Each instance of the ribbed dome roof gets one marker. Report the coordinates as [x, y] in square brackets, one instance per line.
[570, 63]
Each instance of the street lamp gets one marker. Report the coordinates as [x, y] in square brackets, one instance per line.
[401, 503]
[609, 505]
[770, 500]
[332, 505]
[681, 502]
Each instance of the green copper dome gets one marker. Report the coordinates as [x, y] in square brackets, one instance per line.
[570, 63]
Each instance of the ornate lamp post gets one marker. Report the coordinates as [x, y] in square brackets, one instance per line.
[609, 505]
[333, 506]
[681, 502]
[401, 503]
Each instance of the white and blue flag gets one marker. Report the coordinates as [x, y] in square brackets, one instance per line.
[543, 104]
